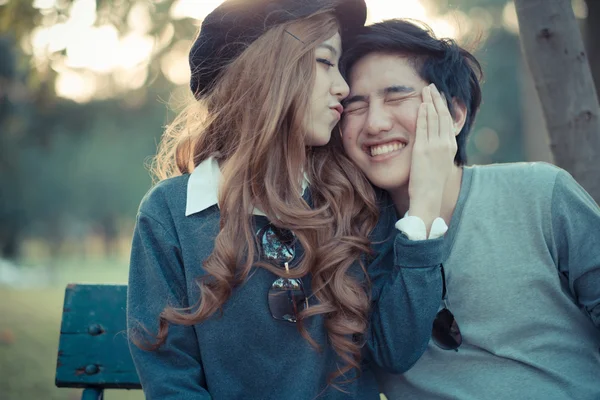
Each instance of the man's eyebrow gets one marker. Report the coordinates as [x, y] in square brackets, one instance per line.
[329, 47]
[396, 89]
[382, 93]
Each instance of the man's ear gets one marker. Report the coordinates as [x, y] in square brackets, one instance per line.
[459, 115]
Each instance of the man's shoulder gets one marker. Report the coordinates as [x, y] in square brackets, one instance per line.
[538, 168]
[515, 185]
[518, 174]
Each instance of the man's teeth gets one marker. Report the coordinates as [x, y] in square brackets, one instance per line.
[386, 148]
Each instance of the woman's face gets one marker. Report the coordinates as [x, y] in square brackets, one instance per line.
[329, 89]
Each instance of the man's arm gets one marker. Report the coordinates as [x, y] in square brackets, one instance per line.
[576, 235]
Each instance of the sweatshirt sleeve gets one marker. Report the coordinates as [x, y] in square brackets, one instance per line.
[156, 279]
[406, 295]
[576, 235]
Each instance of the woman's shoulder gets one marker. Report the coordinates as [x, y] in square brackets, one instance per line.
[168, 195]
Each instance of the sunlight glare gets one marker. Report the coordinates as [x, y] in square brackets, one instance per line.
[193, 8]
[509, 18]
[43, 4]
[580, 8]
[131, 78]
[174, 64]
[164, 38]
[39, 41]
[83, 13]
[92, 49]
[133, 49]
[139, 19]
[78, 86]
[58, 35]
[379, 10]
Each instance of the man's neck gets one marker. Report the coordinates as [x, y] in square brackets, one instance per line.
[401, 198]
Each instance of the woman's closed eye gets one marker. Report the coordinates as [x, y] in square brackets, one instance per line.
[326, 62]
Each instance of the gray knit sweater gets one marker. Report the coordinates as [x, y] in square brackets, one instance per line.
[522, 264]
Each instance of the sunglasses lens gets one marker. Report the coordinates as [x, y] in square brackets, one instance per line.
[446, 333]
[286, 299]
[277, 244]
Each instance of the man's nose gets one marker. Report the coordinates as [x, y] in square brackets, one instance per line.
[378, 121]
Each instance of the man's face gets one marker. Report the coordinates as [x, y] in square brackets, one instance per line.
[380, 118]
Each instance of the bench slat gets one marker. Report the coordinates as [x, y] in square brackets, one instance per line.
[93, 350]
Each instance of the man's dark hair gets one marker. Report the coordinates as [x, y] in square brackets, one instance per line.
[453, 70]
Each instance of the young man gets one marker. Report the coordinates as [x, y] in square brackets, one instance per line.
[521, 311]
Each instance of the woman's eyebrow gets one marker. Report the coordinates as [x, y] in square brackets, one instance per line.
[329, 47]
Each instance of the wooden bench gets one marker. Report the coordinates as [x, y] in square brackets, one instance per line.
[93, 353]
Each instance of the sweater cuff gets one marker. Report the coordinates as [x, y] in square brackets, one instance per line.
[417, 253]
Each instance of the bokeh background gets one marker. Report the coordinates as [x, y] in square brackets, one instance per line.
[86, 87]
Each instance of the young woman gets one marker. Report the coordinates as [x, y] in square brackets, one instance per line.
[249, 259]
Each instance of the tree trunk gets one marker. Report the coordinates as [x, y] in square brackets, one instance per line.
[536, 142]
[557, 60]
[592, 33]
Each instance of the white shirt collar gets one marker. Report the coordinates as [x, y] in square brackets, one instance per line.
[203, 187]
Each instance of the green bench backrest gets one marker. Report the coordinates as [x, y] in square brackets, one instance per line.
[93, 350]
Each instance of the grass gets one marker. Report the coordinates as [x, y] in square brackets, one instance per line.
[29, 332]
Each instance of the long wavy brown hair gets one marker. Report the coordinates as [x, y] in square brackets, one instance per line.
[253, 122]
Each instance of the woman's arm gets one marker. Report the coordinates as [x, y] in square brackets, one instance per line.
[406, 292]
[156, 279]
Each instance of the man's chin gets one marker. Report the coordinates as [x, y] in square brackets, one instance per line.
[390, 185]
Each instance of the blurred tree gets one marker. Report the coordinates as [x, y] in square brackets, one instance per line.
[556, 57]
[60, 159]
[67, 167]
[11, 220]
[591, 36]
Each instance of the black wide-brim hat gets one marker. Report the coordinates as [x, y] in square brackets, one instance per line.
[235, 24]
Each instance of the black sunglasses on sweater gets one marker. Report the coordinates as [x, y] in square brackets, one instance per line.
[446, 333]
[286, 296]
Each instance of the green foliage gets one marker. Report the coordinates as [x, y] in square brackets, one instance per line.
[94, 177]
[65, 165]
[18, 17]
